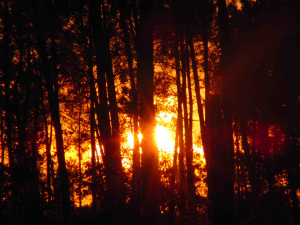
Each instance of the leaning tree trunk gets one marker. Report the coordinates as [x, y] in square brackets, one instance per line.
[115, 125]
[103, 114]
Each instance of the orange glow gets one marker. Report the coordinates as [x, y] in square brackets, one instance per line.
[163, 137]
[164, 140]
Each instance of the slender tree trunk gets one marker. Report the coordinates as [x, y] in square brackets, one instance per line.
[220, 180]
[248, 161]
[238, 159]
[204, 17]
[189, 141]
[191, 103]
[136, 183]
[110, 162]
[145, 73]
[93, 98]
[189, 183]
[20, 152]
[227, 94]
[227, 76]
[50, 167]
[6, 72]
[173, 176]
[7, 107]
[48, 153]
[292, 163]
[54, 107]
[2, 164]
[79, 156]
[203, 128]
[2, 141]
[36, 208]
[180, 128]
[93, 142]
[115, 126]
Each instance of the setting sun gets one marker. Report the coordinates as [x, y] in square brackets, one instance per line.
[163, 138]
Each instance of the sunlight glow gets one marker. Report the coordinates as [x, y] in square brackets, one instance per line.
[98, 150]
[130, 139]
[164, 139]
[199, 151]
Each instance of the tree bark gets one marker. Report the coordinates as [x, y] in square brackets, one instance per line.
[220, 180]
[6, 72]
[145, 73]
[189, 149]
[182, 204]
[203, 128]
[136, 183]
[93, 99]
[173, 176]
[111, 162]
[49, 73]
[227, 76]
[48, 154]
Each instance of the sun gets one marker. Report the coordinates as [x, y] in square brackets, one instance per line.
[164, 139]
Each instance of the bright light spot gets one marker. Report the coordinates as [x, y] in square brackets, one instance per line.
[164, 139]
[130, 139]
[165, 117]
[126, 162]
[200, 151]
[98, 150]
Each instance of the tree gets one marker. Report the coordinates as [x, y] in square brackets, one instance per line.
[145, 74]
[50, 75]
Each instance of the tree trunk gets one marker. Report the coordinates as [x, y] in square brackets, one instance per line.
[48, 153]
[292, 163]
[93, 98]
[110, 161]
[248, 161]
[2, 141]
[145, 70]
[189, 184]
[189, 143]
[136, 183]
[35, 204]
[203, 128]
[113, 108]
[220, 180]
[227, 76]
[6, 72]
[182, 205]
[79, 156]
[173, 176]
[49, 73]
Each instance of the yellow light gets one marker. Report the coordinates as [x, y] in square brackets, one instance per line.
[164, 139]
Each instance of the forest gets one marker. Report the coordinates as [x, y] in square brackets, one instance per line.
[149, 112]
